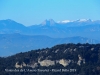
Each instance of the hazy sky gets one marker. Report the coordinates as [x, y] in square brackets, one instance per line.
[29, 12]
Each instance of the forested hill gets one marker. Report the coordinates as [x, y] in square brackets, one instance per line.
[64, 59]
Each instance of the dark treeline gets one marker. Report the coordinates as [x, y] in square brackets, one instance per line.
[90, 53]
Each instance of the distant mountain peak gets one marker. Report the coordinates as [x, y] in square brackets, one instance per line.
[84, 20]
[9, 20]
[49, 22]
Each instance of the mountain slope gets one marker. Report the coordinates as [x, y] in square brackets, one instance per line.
[10, 26]
[14, 43]
[70, 59]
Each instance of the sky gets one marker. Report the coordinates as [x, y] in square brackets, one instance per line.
[30, 12]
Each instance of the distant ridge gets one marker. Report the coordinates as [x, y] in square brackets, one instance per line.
[14, 43]
[81, 27]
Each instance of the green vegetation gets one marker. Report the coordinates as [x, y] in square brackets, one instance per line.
[89, 55]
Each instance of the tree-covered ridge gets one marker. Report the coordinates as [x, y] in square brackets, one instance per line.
[85, 58]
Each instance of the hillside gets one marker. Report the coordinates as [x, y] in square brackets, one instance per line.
[70, 59]
[14, 43]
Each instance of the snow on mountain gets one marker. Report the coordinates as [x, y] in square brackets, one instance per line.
[79, 20]
[64, 21]
[84, 20]
[51, 22]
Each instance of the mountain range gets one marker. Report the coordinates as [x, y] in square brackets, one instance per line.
[16, 37]
[82, 27]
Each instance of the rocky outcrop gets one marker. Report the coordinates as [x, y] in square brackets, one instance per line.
[80, 60]
[46, 63]
[64, 62]
[18, 66]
